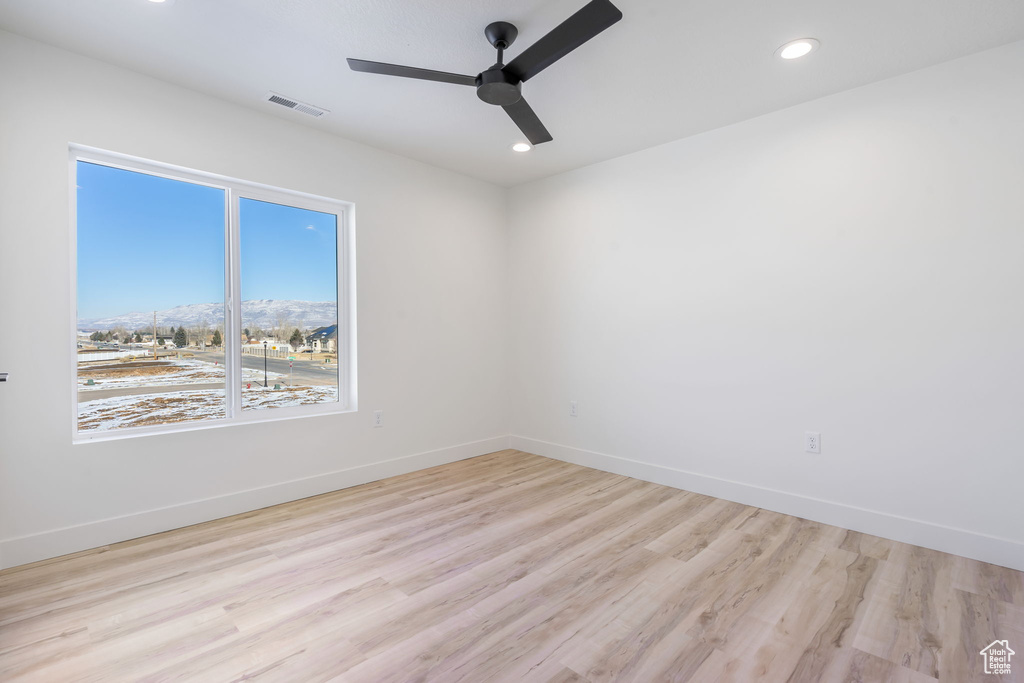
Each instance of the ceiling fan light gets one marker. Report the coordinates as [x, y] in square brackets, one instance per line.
[521, 147]
[797, 48]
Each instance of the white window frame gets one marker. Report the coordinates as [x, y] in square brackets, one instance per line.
[234, 190]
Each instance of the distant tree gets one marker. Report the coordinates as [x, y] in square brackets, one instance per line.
[246, 333]
[108, 337]
[96, 336]
[217, 341]
[280, 331]
[138, 338]
[201, 333]
[296, 339]
[180, 338]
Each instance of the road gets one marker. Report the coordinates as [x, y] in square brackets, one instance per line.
[305, 372]
[97, 394]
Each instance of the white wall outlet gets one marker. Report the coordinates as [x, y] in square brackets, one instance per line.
[574, 409]
[378, 418]
[812, 442]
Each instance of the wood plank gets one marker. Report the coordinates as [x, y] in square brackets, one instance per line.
[509, 566]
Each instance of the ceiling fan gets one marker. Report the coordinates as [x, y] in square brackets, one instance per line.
[502, 84]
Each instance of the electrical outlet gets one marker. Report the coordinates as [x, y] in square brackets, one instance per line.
[378, 418]
[574, 409]
[812, 442]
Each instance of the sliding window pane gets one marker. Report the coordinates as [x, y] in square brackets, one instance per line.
[150, 299]
[289, 271]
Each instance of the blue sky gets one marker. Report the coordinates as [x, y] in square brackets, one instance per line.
[147, 243]
[287, 253]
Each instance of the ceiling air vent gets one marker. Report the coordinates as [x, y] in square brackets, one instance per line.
[309, 109]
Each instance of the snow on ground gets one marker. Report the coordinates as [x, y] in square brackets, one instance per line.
[258, 397]
[150, 409]
[180, 371]
[171, 407]
[251, 375]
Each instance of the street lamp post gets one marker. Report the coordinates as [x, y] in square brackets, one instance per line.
[264, 364]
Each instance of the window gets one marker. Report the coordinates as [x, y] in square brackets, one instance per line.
[204, 300]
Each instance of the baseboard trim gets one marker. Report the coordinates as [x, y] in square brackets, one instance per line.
[1001, 551]
[57, 542]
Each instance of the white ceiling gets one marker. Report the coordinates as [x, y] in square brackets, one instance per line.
[669, 69]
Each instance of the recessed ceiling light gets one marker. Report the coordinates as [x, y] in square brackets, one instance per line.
[521, 147]
[797, 48]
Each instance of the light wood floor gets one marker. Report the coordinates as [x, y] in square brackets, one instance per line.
[508, 567]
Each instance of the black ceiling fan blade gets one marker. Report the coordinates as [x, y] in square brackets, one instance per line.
[522, 115]
[409, 72]
[596, 16]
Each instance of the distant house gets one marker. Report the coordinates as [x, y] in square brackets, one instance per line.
[323, 339]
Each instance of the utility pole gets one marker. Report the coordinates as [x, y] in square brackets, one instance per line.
[264, 364]
[154, 335]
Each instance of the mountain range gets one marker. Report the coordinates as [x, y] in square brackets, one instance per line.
[263, 313]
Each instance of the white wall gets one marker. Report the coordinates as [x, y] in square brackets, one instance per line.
[853, 266]
[432, 303]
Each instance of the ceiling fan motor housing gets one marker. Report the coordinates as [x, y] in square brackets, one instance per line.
[494, 86]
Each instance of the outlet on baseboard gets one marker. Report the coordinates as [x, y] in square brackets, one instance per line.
[812, 442]
[574, 409]
[378, 418]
